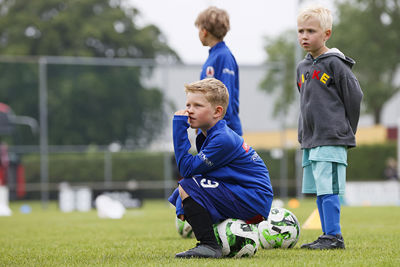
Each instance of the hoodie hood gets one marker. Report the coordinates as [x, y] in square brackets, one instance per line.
[333, 52]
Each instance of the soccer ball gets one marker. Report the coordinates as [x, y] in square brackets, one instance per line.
[281, 230]
[184, 228]
[237, 238]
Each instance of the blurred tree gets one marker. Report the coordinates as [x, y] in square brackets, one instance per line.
[86, 104]
[100, 104]
[281, 49]
[367, 31]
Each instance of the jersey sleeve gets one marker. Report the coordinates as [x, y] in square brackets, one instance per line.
[227, 73]
[181, 140]
[215, 154]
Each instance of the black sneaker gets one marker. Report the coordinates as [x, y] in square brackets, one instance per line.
[201, 251]
[307, 245]
[328, 242]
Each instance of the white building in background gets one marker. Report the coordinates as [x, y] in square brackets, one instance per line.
[255, 107]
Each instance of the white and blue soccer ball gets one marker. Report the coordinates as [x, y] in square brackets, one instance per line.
[281, 230]
[237, 238]
[184, 228]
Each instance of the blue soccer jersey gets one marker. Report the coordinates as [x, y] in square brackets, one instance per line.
[226, 158]
[221, 65]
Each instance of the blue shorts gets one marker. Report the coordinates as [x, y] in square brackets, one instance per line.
[217, 199]
[324, 170]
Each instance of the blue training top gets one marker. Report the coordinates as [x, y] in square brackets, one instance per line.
[224, 156]
[221, 65]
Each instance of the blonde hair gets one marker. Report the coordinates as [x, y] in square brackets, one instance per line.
[322, 14]
[214, 91]
[215, 21]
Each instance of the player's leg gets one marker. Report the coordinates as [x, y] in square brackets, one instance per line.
[321, 213]
[331, 206]
[207, 201]
[200, 220]
[309, 187]
[315, 168]
[322, 220]
[330, 179]
[333, 238]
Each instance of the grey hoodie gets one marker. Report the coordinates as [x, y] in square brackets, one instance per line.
[330, 99]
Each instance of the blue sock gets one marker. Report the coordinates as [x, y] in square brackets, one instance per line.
[331, 211]
[321, 212]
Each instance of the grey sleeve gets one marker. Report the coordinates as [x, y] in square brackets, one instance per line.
[300, 129]
[351, 94]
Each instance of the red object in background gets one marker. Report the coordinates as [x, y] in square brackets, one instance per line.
[4, 108]
[20, 181]
[4, 162]
[3, 175]
[391, 133]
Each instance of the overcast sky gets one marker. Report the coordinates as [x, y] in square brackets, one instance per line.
[250, 20]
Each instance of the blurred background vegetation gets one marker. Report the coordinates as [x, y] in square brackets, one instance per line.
[367, 164]
[82, 100]
[99, 105]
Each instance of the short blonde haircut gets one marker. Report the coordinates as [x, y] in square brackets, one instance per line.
[214, 91]
[215, 21]
[322, 14]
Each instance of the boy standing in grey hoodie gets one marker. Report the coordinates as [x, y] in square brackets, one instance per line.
[330, 98]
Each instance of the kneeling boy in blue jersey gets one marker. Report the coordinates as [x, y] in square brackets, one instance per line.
[226, 179]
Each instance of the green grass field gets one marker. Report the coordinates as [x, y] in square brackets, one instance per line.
[147, 237]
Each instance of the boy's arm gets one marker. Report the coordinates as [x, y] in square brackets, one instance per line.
[300, 119]
[227, 72]
[217, 152]
[181, 141]
[352, 96]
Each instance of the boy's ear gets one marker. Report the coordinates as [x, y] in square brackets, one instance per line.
[219, 110]
[204, 32]
[328, 34]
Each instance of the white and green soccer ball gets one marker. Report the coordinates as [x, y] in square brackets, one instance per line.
[237, 238]
[184, 228]
[281, 230]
